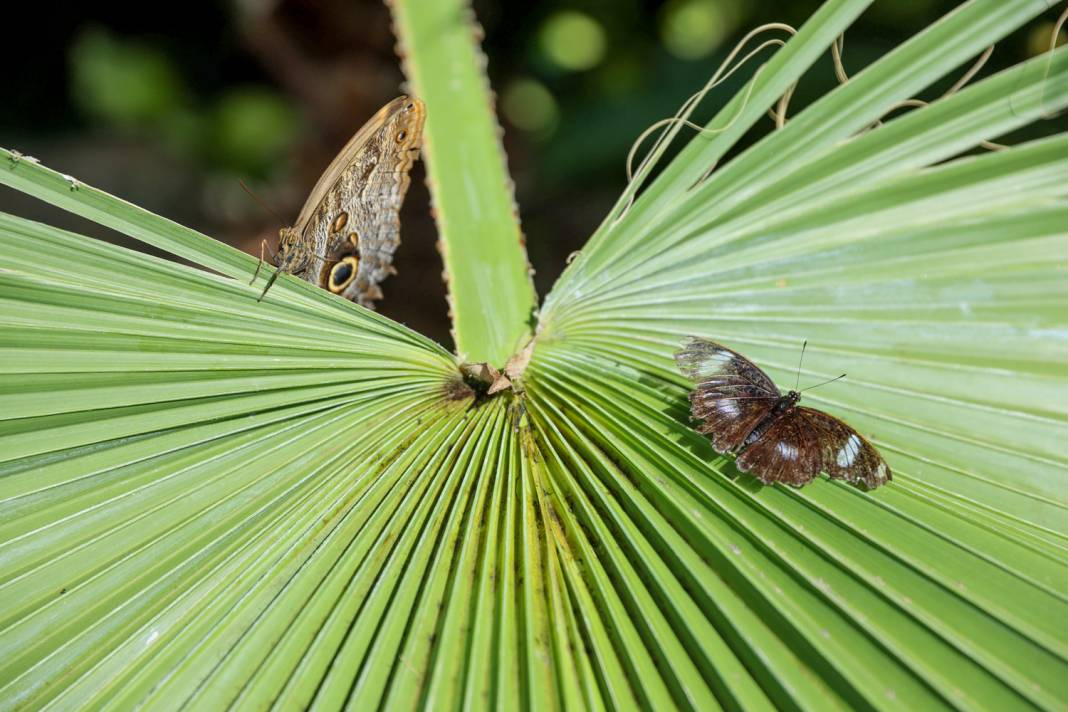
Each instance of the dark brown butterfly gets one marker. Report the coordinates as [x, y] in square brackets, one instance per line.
[774, 438]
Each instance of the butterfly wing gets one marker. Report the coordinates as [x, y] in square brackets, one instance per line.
[844, 453]
[787, 452]
[350, 224]
[731, 394]
[803, 442]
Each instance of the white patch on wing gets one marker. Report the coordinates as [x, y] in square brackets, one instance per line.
[714, 364]
[787, 451]
[849, 451]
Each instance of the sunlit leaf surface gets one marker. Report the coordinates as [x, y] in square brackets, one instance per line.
[209, 502]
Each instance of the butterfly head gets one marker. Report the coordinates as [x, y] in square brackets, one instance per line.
[339, 268]
[793, 397]
[288, 259]
[287, 242]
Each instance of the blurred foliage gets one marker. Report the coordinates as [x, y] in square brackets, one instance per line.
[568, 66]
[252, 128]
[692, 29]
[133, 88]
[123, 83]
[581, 78]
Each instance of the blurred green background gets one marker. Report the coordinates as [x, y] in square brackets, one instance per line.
[170, 105]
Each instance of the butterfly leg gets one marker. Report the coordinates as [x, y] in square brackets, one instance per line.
[263, 250]
[268, 286]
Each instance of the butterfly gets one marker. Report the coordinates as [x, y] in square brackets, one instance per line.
[773, 437]
[349, 227]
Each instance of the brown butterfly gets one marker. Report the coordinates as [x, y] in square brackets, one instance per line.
[349, 227]
[773, 437]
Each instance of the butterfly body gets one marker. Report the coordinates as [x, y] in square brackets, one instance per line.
[781, 407]
[746, 415]
[349, 228]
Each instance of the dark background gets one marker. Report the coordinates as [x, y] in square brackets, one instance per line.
[168, 105]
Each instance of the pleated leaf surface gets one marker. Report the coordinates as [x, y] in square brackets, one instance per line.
[207, 502]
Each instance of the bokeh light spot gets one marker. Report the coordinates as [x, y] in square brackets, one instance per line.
[692, 29]
[253, 128]
[1038, 39]
[573, 40]
[529, 106]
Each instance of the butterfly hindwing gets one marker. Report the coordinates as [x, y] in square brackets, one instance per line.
[787, 452]
[731, 396]
[844, 453]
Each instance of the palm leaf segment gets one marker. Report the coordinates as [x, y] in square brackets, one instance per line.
[206, 502]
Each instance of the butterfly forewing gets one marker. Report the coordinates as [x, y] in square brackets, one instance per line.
[350, 225]
[731, 396]
[844, 453]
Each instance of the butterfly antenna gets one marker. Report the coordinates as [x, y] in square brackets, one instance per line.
[265, 206]
[832, 380]
[799, 362]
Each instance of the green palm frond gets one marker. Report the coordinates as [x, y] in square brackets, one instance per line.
[210, 502]
[480, 240]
